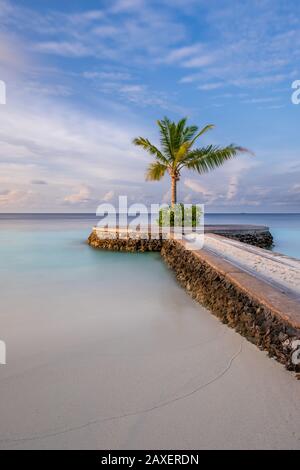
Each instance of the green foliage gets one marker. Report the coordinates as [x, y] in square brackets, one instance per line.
[176, 152]
[180, 215]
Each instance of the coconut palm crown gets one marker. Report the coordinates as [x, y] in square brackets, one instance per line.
[177, 151]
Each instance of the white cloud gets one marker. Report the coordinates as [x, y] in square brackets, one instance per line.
[13, 56]
[106, 31]
[139, 94]
[167, 197]
[63, 48]
[178, 54]
[132, 89]
[81, 195]
[47, 89]
[111, 75]
[296, 188]
[43, 140]
[195, 186]
[232, 187]
[270, 99]
[8, 197]
[249, 46]
[188, 198]
[125, 28]
[199, 61]
[121, 6]
[87, 16]
[108, 196]
[211, 86]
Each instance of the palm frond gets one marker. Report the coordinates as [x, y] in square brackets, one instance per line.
[179, 133]
[188, 141]
[189, 132]
[156, 171]
[175, 151]
[165, 137]
[182, 152]
[150, 148]
[203, 130]
[208, 158]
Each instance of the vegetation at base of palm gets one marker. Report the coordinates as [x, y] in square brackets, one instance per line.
[177, 152]
[180, 215]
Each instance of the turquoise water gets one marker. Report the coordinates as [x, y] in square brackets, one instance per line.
[57, 255]
[20, 231]
[46, 266]
[92, 334]
[47, 270]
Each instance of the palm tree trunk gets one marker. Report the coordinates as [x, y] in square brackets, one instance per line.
[173, 190]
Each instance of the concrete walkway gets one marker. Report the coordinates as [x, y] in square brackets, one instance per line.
[277, 269]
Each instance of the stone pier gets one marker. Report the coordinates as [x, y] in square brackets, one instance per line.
[252, 290]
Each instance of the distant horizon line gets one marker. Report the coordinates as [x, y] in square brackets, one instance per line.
[94, 214]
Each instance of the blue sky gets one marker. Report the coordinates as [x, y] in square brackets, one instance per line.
[85, 77]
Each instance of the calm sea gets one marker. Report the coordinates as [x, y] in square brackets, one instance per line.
[94, 334]
[284, 227]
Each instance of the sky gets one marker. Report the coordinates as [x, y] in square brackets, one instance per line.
[84, 77]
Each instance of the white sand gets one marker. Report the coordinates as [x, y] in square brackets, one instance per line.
[276, 268]
[158, 372]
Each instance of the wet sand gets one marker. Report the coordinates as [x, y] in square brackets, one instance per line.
[105, 350]
[149, 370]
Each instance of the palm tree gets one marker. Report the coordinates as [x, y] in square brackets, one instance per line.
[177, 140]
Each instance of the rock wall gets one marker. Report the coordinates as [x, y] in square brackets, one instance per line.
[135, 243]
[125, 244]
[259, 239]
[232, 305]
[214, 289]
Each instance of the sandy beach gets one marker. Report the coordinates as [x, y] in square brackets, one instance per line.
[156, 372]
